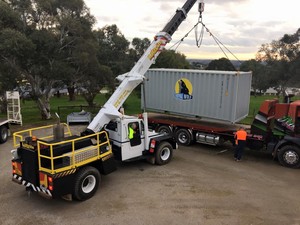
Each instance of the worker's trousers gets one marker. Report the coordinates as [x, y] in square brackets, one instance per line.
[239, 149]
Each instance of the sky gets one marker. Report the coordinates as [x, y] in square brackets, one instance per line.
[240, 25]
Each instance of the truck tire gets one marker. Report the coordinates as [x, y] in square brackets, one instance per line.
[164, 153]
[289, 156]
[164, 130]
[3, 134]
[86, 183]
[183, 137]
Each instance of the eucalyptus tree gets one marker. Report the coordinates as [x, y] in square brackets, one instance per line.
[282, 59]
[42, 45]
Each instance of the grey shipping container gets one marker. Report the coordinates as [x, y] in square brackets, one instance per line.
[217, 95]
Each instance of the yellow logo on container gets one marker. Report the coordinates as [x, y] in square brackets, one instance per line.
[183, 89]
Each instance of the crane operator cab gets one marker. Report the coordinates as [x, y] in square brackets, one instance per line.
[130, 140]
[134, 134]
[127, 137]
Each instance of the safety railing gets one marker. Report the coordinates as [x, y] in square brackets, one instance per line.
[60, 156]
[41, 133]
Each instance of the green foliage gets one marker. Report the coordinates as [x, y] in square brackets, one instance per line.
[140, 46]
[171, 59]
[96, 78]
[113, 49]
[15, 46]
[282, 60]
[55, 41]
[260, 79]
[8, 17]
[221, 64]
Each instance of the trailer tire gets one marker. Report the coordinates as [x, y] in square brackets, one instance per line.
[86, 183]
[183, 137]
[164, 153]
[289, 156]
[3, 134]
[164, 130]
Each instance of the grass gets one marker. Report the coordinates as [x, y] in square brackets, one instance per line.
[254, 106]
[63, 107]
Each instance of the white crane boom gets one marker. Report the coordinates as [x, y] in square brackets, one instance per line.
[136, 76]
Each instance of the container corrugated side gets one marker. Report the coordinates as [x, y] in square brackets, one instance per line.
[218, 95]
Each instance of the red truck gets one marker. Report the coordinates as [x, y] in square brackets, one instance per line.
[275, 129]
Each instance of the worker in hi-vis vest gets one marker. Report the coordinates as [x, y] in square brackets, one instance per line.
[240, 141]
[132, 130]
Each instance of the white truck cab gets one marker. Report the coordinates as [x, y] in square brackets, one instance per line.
[143, 144]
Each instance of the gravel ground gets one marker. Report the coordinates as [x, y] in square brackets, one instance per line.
[201, 185]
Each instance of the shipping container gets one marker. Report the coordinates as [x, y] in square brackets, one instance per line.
[217, 95]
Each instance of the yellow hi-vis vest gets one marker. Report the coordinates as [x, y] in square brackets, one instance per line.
[131, 132]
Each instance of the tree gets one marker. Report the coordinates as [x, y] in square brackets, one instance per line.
[96, 79]
[14, 49]
[282, 60]
[113, 49]
[171, 59]
[260, 79]
[221, 64]
[76, 37]
[42, 48]
[139, 47]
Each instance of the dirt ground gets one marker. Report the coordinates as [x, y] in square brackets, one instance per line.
[201, 185]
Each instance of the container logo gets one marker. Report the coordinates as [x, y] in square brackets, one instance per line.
[183, 89]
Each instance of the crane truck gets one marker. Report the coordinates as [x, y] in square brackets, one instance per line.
[63, 164]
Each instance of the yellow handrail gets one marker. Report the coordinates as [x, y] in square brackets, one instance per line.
[20, 136]
[76, 157]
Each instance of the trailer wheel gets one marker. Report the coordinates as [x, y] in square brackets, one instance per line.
[183, 137]
[289, 156]
[164, 130]
[3, 134]
[86, 183]
[164, 153]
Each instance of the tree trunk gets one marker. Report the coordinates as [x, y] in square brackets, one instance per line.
[89, 97]
[71, 91]
[44, 107]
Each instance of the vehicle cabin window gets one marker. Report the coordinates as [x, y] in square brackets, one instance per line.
[134, 133]
[112, 126]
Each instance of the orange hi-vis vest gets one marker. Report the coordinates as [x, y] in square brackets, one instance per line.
[240, 135]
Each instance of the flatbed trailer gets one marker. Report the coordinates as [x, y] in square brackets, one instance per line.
[275, 130]
[226, 131]
[187, 130]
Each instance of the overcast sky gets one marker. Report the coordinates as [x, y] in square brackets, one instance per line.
[241, 25]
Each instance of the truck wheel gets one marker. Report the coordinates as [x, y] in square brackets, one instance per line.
[164, 130]
[3, 134]
[164, 153]
[183, 137]
[86, 183]
[289, 156]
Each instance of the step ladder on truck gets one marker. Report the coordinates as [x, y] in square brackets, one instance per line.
[13, 115]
